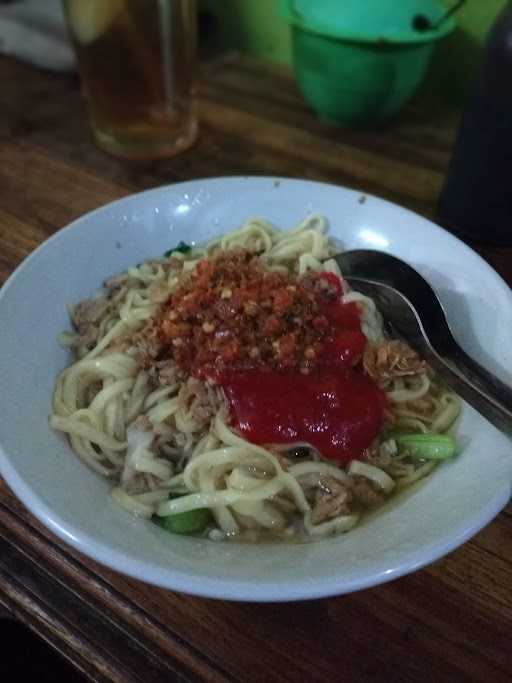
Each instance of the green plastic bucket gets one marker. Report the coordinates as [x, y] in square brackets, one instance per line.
[358, 62]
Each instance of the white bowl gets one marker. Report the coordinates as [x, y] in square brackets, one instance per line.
[413, 530]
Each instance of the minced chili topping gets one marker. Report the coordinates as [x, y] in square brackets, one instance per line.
[285, 350]
[232, 313]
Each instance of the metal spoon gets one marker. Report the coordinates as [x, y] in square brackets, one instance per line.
[412, 311]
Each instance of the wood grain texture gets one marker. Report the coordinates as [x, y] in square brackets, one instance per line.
[449, 622]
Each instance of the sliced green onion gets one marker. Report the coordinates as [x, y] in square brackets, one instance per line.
[427, 446]
[182, 247]
[189, 522]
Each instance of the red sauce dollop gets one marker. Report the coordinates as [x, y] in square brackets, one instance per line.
[285, 348]
[338, 412]
[336, 408]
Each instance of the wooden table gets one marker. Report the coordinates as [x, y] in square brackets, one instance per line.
[449, 622]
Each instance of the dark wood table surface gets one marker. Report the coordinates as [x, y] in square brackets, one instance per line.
[449, 622]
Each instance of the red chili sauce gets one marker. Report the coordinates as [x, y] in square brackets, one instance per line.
[285, 349]
[336, 408]
[338, 412]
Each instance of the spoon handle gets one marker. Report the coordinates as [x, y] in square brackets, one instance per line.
[434, 342]
[476, 385]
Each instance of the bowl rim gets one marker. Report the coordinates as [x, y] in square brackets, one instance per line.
[372, 38]
[240, 590]
[229, 588]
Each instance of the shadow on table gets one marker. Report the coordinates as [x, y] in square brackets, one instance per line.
[27, 657]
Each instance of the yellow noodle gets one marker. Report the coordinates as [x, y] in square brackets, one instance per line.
[151, 440]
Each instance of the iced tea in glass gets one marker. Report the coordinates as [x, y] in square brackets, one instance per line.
[136, 59]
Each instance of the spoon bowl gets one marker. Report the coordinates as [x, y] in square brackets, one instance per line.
[412, 311]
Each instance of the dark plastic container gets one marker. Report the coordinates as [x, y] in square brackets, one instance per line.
[476, 200]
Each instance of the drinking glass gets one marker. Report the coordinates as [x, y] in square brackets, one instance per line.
[136, 60]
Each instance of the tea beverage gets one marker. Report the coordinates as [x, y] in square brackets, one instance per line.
[136, 59]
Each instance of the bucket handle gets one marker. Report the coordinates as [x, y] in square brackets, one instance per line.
[422, 23]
